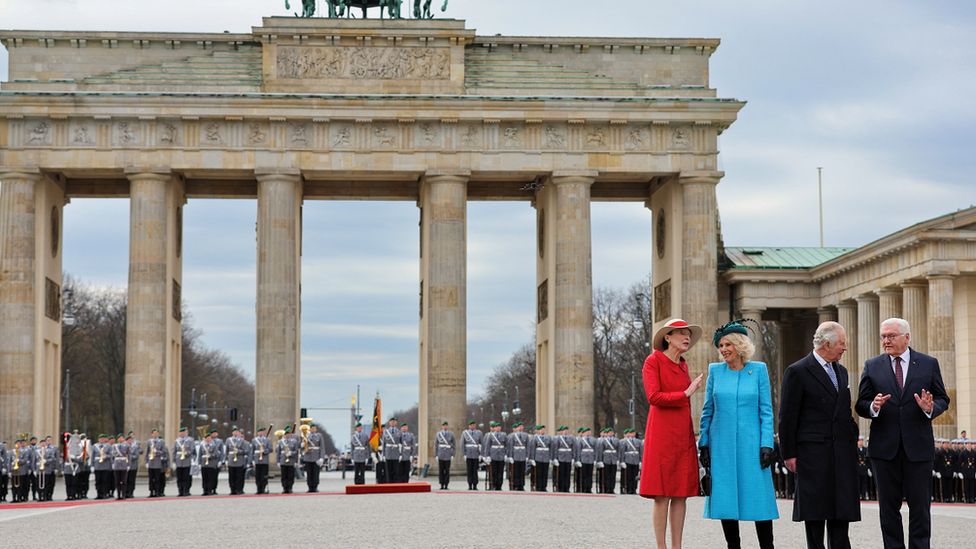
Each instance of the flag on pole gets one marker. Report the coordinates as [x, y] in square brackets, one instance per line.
[377, 430]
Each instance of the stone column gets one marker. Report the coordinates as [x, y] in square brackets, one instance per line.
[564, 331]
[868, 330]
[17, 303]
[826, 314]
[755, 315]
[699, 270]
[915, 311]
[942, 345]
[149, 361]
[276, 392]
[847, 317]
[443, 308]
[889, 306]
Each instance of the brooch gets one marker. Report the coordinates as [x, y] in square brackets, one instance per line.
[750, 372]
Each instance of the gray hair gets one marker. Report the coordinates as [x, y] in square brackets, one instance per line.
[902, 324]
[826, 334]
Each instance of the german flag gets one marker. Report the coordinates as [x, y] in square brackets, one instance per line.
[377, 430]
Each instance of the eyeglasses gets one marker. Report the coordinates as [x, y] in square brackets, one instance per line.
[890, 337]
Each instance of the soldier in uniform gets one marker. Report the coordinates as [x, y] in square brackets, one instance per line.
[84, 467]
[32, 444]
[563, 456]
[157, 459]
[288, 448]
[4, 470]
[102, 466]
[584, 456]
[237, 460]
[69, 469]
[313, 455]
[607, 457]
[360, 454]
[942, 468]
[540, 454]
[408, 450]
[517, 453]
[260, 457]
[968, 460]
[21, 463]
[493, 454]
[958, 479]
[210, 459]
[631, 453]
[445, 447]
[135, 450]
[183, 450]
[863, 466]
[44, 467]
[120, 466]
[390, 450]
[471, 448]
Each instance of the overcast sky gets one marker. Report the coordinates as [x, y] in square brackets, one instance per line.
[879, 93]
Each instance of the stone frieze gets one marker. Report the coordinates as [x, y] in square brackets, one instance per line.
[364, 63]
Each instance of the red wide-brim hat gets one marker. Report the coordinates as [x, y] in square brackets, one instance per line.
[675, 324]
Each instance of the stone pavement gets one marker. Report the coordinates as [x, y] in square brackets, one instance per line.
[437, 520]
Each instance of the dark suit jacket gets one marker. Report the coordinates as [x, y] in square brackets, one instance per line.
[901, 421]
[817, 428]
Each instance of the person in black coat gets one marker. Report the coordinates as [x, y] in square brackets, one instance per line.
[819, 440]
[901, 393]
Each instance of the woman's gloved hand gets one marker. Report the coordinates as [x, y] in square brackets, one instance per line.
[705, 456]
[766, 457]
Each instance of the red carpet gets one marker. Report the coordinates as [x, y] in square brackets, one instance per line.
[394, 488]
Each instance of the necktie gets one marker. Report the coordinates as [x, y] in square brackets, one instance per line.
[899, 375]
[831, 374]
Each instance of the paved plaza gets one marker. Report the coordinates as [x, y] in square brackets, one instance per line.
[429, 521]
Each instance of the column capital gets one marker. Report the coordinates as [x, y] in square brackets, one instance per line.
[285, 175]
[940, 276]
[447, 176]
[913, 283]
[888, 290]
[139, 170]
[562, 177]
[847, 304]
[30, 174]
[866, 298]
[826, 309]
[700, 177]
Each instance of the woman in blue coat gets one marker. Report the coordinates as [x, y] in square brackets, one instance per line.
[737, 438]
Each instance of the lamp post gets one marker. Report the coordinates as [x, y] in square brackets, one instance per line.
[505, 413]
[193, 410]
[633, 400]
[516, 409]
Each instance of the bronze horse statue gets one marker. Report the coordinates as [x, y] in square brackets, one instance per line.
[343, 8]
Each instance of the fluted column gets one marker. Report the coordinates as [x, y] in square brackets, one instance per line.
[564, 329]
[149, 361]
[847, 317]
[277, 379]
[17, 303]
[889, 304]
[868, 330]
[915, 311]
[755, 315]
[826, 314]
[699, 269]
[443, 317]
[942, 345]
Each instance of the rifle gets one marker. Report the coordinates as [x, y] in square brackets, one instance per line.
[487, 476]
[511, 473]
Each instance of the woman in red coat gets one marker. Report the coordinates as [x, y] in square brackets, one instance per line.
[669, 472]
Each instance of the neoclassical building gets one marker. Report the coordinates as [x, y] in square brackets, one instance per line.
[323, 109]
[925, 274]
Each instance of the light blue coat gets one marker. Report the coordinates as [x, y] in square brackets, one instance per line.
[736, 421]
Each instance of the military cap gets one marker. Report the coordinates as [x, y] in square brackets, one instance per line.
[404, 424]
[287, 429]
[517, 424]
[563, 428]
[443, 424]
[182, 429]
[213, 432]
[472, 422]
[393, 419]
[359, 424]
[540, 427]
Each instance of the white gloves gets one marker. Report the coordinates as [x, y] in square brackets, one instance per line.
[532, 462]
[510, 460]
[938, 475]
[486, 459]
[599, 465]
[319, 462]
[869, 473]
[623, 465]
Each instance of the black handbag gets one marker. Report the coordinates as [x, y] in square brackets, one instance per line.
[705, 481]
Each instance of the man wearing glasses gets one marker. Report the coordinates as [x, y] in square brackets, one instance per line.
[901, 393]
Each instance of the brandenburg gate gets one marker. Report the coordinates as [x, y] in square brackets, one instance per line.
[348, 109]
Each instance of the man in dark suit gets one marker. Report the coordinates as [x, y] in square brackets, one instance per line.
[901, 393]
[819, 440]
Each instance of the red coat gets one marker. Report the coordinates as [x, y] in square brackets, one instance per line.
[670, 464]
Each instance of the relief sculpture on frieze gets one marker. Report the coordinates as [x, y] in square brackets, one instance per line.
[373, 63]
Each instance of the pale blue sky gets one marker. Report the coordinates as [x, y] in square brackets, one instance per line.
[879, 93]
